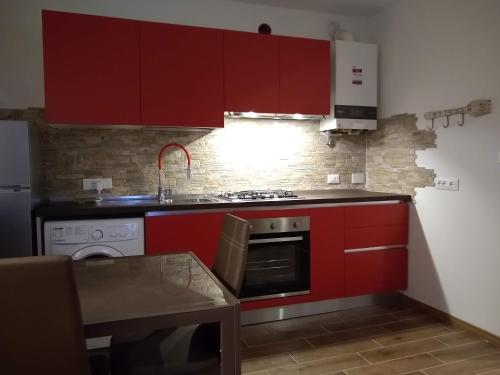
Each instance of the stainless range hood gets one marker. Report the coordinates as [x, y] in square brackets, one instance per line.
[272, 116]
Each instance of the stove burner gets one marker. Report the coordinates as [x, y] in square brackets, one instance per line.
[258, 194]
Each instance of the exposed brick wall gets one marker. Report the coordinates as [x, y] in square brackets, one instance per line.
[245, 154]
[391, 156]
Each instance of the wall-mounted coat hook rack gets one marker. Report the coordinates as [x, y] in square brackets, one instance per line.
[475, 108]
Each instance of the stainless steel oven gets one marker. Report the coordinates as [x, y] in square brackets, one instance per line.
[278, 263]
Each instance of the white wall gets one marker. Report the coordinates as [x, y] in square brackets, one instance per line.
[21, 67]
[438, 54]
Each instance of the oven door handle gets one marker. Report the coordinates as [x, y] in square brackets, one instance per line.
[274, 240]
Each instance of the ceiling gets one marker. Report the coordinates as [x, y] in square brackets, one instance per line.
[354, 8]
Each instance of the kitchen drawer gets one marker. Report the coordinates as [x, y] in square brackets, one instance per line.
[388, 235]
[374, 215]
[376, 271]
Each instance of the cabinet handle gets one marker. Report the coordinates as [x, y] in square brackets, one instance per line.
[375, 248]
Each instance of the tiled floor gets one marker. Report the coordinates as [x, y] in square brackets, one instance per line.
[378, 340]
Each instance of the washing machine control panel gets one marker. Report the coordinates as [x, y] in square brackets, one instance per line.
[93, 233]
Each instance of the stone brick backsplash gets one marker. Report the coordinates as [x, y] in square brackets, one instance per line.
[391, 156]
[245, 154]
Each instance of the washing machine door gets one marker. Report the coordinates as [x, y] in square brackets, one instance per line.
[97, 251]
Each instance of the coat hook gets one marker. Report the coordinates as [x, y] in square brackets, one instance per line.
[432, 125]
[447, 122]
[463, 120]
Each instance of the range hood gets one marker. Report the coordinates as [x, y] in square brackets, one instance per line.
[354, 88]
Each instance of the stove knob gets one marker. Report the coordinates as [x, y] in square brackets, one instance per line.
[295, 225]
[272, 226]
[97, 235]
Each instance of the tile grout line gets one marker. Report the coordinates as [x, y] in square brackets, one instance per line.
[453, 362]
[433, 356]
[366, 359]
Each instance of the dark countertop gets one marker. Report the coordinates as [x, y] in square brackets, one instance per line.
[75, 210]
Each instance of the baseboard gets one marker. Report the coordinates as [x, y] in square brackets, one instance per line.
[455, 322]
[312, 308]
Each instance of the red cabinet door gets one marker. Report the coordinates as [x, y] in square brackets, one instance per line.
[251, 72]
[304, 76]
[376, 271]
[91, 68]
[185, 232]
[327, 253]
[181, 76]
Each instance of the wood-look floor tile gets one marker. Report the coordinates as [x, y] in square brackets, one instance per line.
[352, 334]
[415, 373]
[263, 372]
[411, 323]
[264, 363]
[397, 366]
[466, 351]
[412, 334]
[364, 312]
[475, 365]
[280, 336]
[410, 313]
[402, 350]
[323, 366]
[460, 338]
[340, 348]
[271, 349]
[492, 372]
[361, 322]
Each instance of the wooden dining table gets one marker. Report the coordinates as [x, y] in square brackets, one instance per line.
[140, 294]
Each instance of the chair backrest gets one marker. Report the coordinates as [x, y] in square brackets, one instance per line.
[41, 329]
[232, 252]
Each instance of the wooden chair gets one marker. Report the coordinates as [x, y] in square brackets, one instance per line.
[190, 349]
[41, 329]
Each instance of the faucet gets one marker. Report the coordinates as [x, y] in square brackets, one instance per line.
[161, 192]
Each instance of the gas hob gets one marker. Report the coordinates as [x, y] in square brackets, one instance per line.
[253, 195]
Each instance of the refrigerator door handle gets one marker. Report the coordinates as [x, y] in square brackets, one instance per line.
[14, 188]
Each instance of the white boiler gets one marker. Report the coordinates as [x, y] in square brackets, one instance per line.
[354, 87]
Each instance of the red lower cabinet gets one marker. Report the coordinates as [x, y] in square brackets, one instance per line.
[376, 271]
[327, 253]
[184, 232]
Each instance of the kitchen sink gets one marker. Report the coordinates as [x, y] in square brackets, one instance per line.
[142, 200]
[197, 200]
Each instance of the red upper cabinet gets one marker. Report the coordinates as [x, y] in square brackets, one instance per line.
[91, 69]
[251, 72]
[181, 75]
[304, 76]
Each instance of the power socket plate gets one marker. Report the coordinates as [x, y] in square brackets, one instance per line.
[448, 183]
[91, 183]
[333, 179]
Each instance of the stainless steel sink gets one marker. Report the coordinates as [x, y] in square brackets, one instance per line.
[197, 200]
[142, 200]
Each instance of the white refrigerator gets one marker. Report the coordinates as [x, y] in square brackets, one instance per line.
[18, 181]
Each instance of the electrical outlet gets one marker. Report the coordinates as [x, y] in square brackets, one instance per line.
[333, 179]
[91, 183]
[447, 183]
[358, 178]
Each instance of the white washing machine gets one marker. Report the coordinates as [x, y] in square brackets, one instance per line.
[99, 238]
